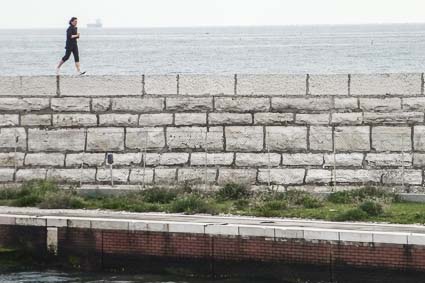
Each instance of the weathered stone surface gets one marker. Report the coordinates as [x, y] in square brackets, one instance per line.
[257, 159]
[380, 104]
[307, 103]
[419, 138]
[170, 158]
[118, 120]
[185, 104]
[358, 176]
[56, 140]
[183, 119]
[105, 139]
[74, 120]
[145, 138]
[321, 138]
[16, 104]
[72, 175]
[286, 138]
[229, 119]
[66, 104]
[388, 159]
[195, 138]
[356, 138]
[6, 174]
[206, 84]
[196, 175]
[346, 104]
[242, 104]
[119, 175]
[302, 159]
[319, 176]
[100, 104]
[312, 119]
[271, 85]
[28, 85]
[398, 176]
[158, 119]
[141, 176]
[352, 118]
[161, 84]
[413, 104]
[419, 159]
[9, 120]
[89, 159]
[244, 138]
[273, 118]
[391, 138]
[9, 159]
[36, 120]
[11, 138]
[393, 117]
[242, 176]
[381, 84]
[211, 159]
[45, 159]
[281, 176]
[328, 85]
[138, 104]
[344, 160]
[133, 158]
[31, 174]
[165, 175]
[101, 85]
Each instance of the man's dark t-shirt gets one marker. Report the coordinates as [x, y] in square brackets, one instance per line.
[71, 43]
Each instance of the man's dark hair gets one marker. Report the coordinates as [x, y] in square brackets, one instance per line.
[72, 19]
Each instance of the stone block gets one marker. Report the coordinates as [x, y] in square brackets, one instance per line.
[281, 176]
[307, 103]
[257, 159]
[141, 176]
[356, 236]
[158, 119]
[31, 174]
[302, 159]
[118, 120]
[190, 119]
[56, 140]
[388, 159]
[133, 158]
[398, 176]
[70, 104]
[149, 138]
[390, 238]
[101, 104]
[328, 85]
[105, 139]
[322, 119]
[161, 84]
[138, 104]
[72, 175]
[241, 104]
[380, 104]
[119, 175]
[188, 104]
[244, 138]
[355, 138]
[11, 138]
[413, 104]
[206, 84]
[28, 85]
[346, 104]
[186, 227]
[6, 174]
[222, 229]
[393, 118]
[391, 138]
[165, 175]
[229, 119]
[9, 159]
[321, 235]
[318, 176]
[344, 160]
[173, 158]
[256, 231]
[286, 138]
[419, 138]
[74, 120]
[30, 221]
[320, 138]
[101, 85]
[196, 175]
[271, 85]
[23, 104]
[273, 118]
[288, 233]
[9, 120]
[242, 176]
[89, 159]
[358, 176]
[211, 159]
[107, 224]
[352, 118]
[382, 84]
[45, 159]
[36, 120]
[195, 138]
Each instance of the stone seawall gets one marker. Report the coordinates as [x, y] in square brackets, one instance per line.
[308, 132]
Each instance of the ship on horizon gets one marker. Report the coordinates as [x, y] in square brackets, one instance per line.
[97, 24]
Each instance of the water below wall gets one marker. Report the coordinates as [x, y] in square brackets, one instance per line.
[290, 49]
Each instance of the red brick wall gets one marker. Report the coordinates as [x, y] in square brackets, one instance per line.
[193, 246]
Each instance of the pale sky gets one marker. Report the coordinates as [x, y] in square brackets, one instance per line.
[170, 13]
